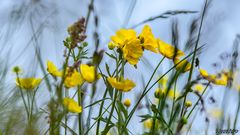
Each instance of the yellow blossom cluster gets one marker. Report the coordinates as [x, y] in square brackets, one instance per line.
[73, 77]
[133, 45]
[219, 79]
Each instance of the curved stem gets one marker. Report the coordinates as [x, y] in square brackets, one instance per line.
[237, 113]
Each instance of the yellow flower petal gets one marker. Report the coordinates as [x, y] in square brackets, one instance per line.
[168, 50]
[73, 79]
[132, 51]
[123, 85]
[198, 87]
[148, 40]
[148, 123]
[203, 73]
[122, 36]
[182, 66]
[215, 113]
[171, 94]
[163, 82]
[71, 105]
[53, 70]
[28, 83]
[221, 79]
[88, 73]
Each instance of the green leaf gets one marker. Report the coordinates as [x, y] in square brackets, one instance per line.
[145, 117]
[111, 56]
[96, 102]
[108, 70]
[123, 109]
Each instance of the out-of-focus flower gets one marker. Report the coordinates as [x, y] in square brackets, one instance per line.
[132, 51]
[73, 79]
[127, 102]
[88, 73]
[182, 65]
[148, 123]
[220, 79]
[28, 83]
[237, 87]
[215, 113]
[188, 103]
[122, 85]
[163, 82]
[53, 70]
[148, 40]
[17, 70]
[71, 105]
[168, 50]
[184, 120]
[171, 94]
[123, 36]
[198, 87]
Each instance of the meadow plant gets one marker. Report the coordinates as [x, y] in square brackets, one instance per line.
[79, 106]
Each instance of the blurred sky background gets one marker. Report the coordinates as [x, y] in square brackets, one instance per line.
[47, 20]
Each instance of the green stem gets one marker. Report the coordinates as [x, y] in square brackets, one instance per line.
[98, 119]
[66, 119]
[112, 110]
[79, 115]
[237, 113]
[198, 101]
[194, 53]
[173, 103]
[145, 91]
[24, 102]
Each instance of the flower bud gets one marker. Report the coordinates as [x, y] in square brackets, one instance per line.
[188, 103]
[127, 102]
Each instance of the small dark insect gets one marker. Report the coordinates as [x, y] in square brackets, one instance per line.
[197, 62]
[206, 119]
[212, 100]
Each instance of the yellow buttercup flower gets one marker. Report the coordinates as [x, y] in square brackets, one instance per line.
[220, 79]
[203, 73]
[148, 123]
[88, 73]
[53, 70]
[198, 87]
[73, 79]
[122, 85]
[28, 83]
[132, 51]
[182, 66]
[163, 82]
[168, 50]
[127, 102]
[223, 80]
[122, 36]
[171, 94]
[148, 40]
[71, 105]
